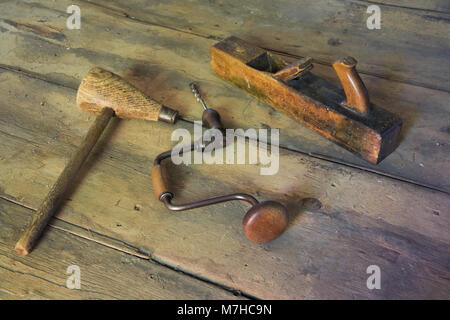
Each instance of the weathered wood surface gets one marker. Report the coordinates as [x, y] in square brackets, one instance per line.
[105, 273]
[433, 5]
[312, 101]
[411, 46]
[162, 62]
[363, 219]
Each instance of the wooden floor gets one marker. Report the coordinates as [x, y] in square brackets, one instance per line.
[345, 214]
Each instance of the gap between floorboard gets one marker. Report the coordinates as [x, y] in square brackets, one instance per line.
[293, 56]
[330, 159]
[124, 247]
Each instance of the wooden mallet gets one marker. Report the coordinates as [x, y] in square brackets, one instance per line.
[106, 94]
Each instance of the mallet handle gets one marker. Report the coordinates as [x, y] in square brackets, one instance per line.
[55, 195]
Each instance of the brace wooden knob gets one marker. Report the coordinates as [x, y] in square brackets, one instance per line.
[265, 221]
[101, 88]
[356, 94]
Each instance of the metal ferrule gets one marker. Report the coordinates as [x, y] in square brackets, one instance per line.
[167, 115]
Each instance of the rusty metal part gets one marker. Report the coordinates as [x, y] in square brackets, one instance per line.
[210, 117]
[345, 117]
[197, 95]
[167, 199]
[106, 94]
[263, 222]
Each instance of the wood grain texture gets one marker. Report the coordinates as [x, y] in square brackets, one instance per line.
[356, 93]
[434, 5]
[102, 89]
[265, 221]
[56, 193]
[162, 62]
[105, 273]
[344, 119]
[411, 46]
[341, 219]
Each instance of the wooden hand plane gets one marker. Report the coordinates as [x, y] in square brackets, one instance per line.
[346, 116]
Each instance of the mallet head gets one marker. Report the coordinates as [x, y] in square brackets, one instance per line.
[103, 89]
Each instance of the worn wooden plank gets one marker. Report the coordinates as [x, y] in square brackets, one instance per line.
[105, 273]
[435, 5]
[162, 62]
[360, 219]
[411, 46]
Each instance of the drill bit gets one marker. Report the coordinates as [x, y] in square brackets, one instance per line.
[197, 94]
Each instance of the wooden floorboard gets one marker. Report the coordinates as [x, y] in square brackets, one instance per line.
[358, 218]
[434, 5]
[401, 50]
[105, 273]
[162, 62]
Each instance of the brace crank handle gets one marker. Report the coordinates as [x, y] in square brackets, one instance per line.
[263, 222]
